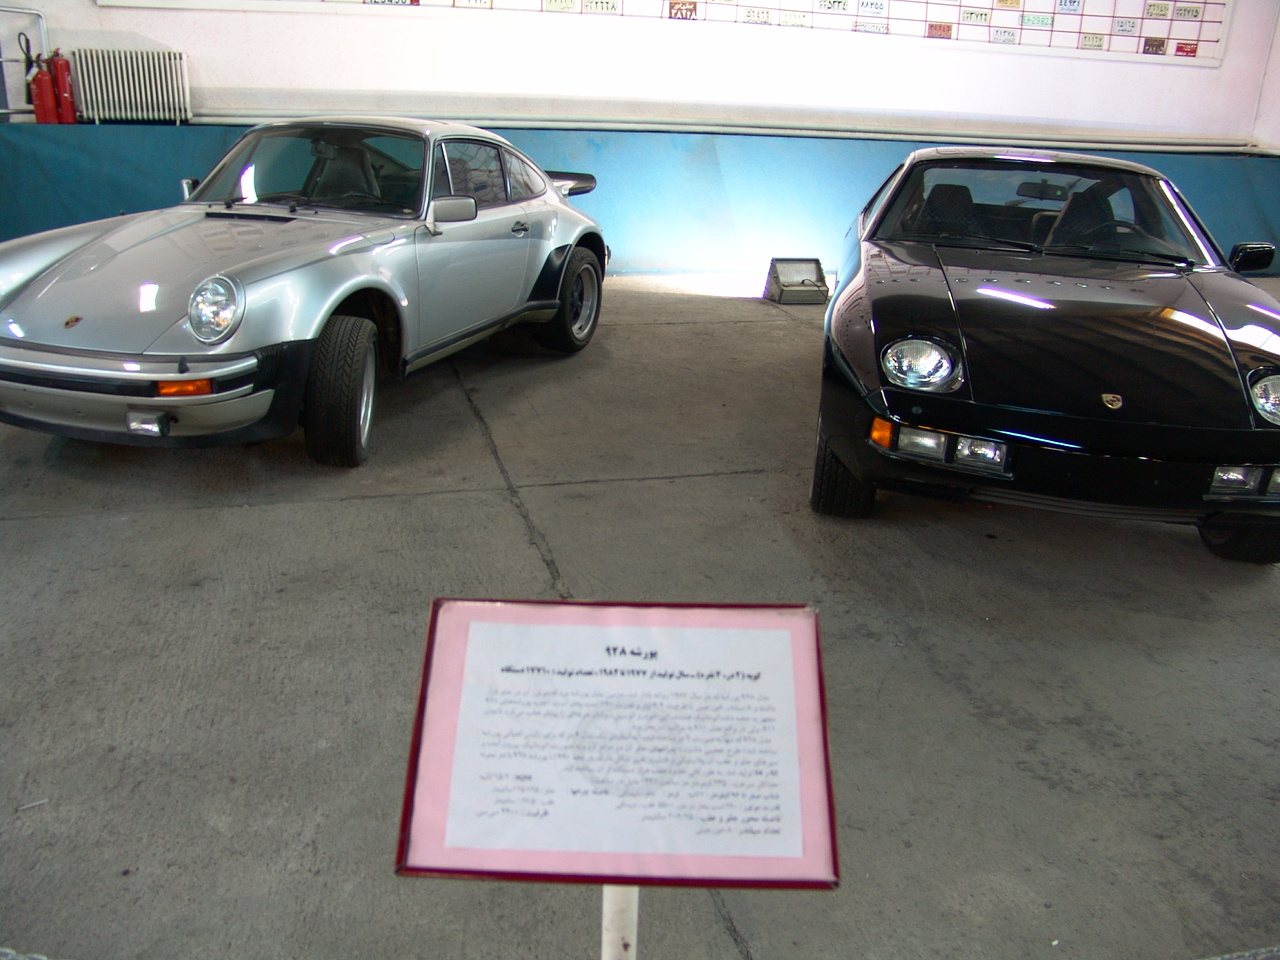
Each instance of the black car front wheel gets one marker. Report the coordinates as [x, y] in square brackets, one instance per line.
[338, 408]
[1238, 541]
[836, 490]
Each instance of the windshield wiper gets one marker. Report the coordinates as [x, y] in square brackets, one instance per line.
[1183, 263]
[975, 243]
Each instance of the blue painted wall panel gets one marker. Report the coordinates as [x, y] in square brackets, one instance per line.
[53, 176]
[668, 202]
[672, 202]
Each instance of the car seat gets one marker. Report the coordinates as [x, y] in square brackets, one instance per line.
[1085, 214]
[949, 209]
[347, 172]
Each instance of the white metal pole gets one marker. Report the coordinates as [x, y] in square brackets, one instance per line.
[619, 918]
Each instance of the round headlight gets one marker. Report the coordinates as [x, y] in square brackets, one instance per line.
[921, 365]
[215, 309]
[1266, 397]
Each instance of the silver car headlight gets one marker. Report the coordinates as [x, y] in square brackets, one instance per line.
[216, 307]
[922, 365]
[1266, 397]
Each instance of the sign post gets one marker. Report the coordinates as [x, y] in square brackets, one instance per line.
[619, 921]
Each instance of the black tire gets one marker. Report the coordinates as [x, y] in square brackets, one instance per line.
[574, 324]
[1240, 543]
[341, 386]
[836, 491]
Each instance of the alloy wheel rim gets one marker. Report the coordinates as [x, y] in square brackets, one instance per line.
[366, 394]
[583, 298]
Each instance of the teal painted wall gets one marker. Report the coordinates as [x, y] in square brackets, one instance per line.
[668, 202]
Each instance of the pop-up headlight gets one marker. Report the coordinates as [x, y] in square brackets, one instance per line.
[1266, 397]
[919, 364]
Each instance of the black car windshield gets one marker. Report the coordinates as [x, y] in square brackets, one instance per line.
[1055, 208]
[350, 168]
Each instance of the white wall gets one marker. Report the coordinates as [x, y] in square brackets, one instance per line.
[1267, 123]
[286, 57]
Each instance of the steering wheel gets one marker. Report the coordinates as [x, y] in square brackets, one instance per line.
[359, 195]
[1112, 228]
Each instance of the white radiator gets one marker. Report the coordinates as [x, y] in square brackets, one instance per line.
[137, 85]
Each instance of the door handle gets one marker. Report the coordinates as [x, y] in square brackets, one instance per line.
[520, 227]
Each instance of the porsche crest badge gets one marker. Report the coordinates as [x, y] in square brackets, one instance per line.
[72, 321]
[1113, 401]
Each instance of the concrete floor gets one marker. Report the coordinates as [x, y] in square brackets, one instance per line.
[1052, 737]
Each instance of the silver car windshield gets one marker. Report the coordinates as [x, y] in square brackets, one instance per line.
[349, 168]
[1053, 208]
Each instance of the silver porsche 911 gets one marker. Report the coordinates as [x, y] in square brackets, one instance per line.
[318, 257]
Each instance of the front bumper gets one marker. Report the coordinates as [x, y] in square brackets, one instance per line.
[94, 396]
[1053, 462]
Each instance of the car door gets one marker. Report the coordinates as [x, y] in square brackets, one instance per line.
[470, 273]
[527, 185]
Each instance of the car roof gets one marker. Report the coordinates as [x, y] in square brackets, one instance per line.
[413, 125]
[1022, 153]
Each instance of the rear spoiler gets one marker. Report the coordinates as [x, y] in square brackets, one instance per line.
[572, 184]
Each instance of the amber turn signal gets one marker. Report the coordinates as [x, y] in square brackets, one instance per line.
[882, 433]
[183, 388]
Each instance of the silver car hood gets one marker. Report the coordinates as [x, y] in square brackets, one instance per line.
[120, 292]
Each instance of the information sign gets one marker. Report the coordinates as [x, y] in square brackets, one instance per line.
[621, 743]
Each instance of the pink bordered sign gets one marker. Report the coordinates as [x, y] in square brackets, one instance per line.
[621, 744]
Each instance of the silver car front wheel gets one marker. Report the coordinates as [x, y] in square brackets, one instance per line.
[341, 387]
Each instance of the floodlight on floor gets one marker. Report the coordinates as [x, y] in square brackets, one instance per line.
[796, 281]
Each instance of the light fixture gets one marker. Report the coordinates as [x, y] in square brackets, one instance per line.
[1228, 480]
[929, 444]
[796, 281]
[148, 423]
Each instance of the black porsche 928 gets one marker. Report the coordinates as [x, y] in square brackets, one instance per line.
[1052, 330]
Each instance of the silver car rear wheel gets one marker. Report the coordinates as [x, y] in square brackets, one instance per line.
[574, 324]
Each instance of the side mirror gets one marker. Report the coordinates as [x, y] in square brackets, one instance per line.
[1251, 256]
[452, 210]
[189, 185]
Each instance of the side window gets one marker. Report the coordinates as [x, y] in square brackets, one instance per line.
[524, 181]
[475, 170]
[440, 186]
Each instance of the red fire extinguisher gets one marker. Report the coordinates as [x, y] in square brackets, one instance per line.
[39, 84]
[42, 96]
[60, 69]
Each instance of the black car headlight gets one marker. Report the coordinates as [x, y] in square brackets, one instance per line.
[215, 310]
[919, 364]
[1266, 397]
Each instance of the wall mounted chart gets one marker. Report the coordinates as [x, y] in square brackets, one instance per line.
[1181, 31]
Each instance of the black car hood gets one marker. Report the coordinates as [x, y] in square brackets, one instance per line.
[1092, 338]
